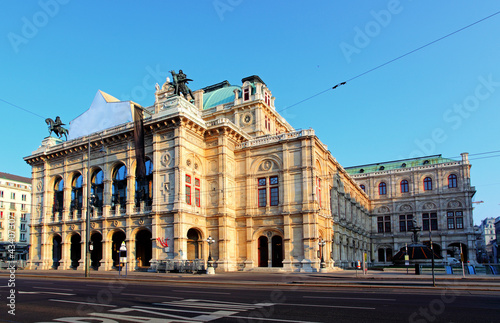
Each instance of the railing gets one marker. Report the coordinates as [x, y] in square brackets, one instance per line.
[276, 138]
[181, 266]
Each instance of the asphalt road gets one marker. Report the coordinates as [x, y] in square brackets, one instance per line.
[122, 300]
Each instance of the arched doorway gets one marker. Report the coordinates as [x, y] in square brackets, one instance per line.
[143, 248]
[96, 252]
[277, 248]
[118, 238]
[76, 250]
[56, 251]
[263, 251]
[193, 244]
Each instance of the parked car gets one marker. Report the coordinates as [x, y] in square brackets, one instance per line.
[453, 261]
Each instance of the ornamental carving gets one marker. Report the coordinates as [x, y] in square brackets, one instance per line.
[141, 221]
[405, 208]
[116, 223]
[39, 186]
[165, 159]
[429, 206]
[454, 204]
[72, 227]
[93, 225]
[188, 162]
[383, 209]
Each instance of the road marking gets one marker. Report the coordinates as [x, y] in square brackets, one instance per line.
[68, 290]
[219, 305]
[199, 292]
[329, 306]
[142, 295]
[83, 303]
[53, 293]
[352, 298]
[169, 309]
[265, 319]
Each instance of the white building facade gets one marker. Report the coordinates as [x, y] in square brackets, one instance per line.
[433, 191]
[15, 208]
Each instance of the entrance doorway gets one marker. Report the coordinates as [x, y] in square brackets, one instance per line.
[263, 251]
[96, 252]
[118, 238]
[143, 248]
[277, 247]
[76, 250]
[56, 251]
[193, 244]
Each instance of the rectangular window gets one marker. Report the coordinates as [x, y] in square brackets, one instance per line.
[1, 204]
[23, 217]
[1, 214]
[380, 224]
[405, 222]
[429, 220]
[274, 191]
[262, 182]
[23, 227]
[12, 206]
[451, 223]
[197, 182]
[22, 237]
[23, 197]
[197, 197]
[262, 197]
[384, 224]
[425, 222]
[23, 207]
[188, 194]
[1, 193]
[13, 195]
[246, 94]
[188, 179]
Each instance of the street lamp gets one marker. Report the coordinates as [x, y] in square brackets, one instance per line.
[322, 244]
[210, 267]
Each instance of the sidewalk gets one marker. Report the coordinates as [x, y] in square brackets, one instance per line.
[346, 278]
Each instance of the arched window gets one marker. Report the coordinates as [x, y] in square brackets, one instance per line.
[363, 188]
[382, 189]
[58, 196]
[97, 188]
[144, 188]
[452, 181]
[76, 193]
[428, 184]
[404, 186]
[119, 187]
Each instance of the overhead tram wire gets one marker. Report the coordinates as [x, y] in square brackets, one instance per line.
[393, 60]
[23, 109]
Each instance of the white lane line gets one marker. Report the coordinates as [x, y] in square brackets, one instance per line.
[265, 319]
[156, 296]
[352, 298]
[199, 292]
[169, 309]
[68, 290]
[329, 306]
[52, 293]
[83, 303]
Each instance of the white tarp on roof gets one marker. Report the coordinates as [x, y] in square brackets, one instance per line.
[105, 112]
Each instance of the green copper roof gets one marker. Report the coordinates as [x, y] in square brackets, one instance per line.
[398, 164]
[220, 96]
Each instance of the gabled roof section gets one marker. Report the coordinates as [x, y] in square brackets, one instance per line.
[105, 112]
[15, 178]
[398, 164]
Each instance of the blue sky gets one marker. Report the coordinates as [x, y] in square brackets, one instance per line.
[443, 99]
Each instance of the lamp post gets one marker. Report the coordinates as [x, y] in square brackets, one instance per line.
[87, 222]
[322, 244]
[210, 267]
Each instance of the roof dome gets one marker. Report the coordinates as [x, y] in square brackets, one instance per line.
[220, 96]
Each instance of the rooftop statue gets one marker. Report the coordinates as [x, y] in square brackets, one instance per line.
[56, 127]
[180, 84]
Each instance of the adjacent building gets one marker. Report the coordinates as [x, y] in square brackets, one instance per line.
[226, 165]
[486, 240]
[15, 206]
[431, 192]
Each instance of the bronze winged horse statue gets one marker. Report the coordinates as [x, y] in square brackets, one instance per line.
[56, 127]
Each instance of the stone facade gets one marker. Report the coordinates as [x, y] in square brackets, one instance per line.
[225, 165]
[433, 191]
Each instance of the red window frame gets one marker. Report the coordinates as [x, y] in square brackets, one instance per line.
[427, 184]
[188, 194]
[262, 197]
[404, 186]
[452, 181]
